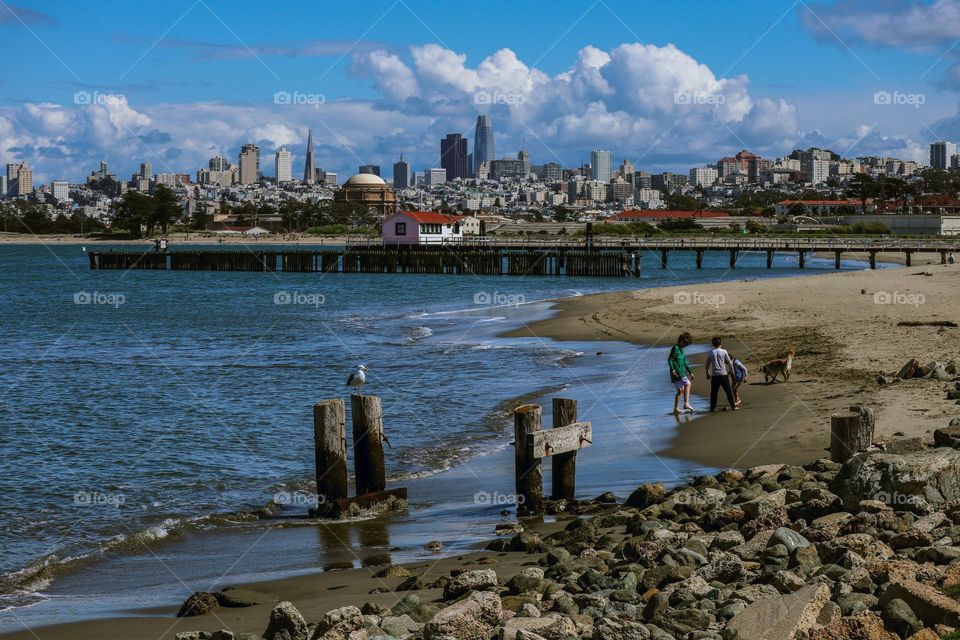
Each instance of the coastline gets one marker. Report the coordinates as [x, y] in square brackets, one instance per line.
[837, 363]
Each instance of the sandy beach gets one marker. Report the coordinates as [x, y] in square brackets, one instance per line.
[844, 327]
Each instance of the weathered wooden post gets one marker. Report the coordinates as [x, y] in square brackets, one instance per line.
[367, 416]
[850, 433]
[330, 447]
[529, 475]
[564, 471]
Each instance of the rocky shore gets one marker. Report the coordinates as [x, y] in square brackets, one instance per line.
[867, 550]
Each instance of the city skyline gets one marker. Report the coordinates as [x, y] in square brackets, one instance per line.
[646, 83]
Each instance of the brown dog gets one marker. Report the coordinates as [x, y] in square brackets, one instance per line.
[779, 367]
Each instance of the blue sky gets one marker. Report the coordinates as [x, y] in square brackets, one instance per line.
[666, 85]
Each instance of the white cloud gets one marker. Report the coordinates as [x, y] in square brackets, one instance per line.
[908, 24]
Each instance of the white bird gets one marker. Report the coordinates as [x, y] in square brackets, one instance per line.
[357, 378]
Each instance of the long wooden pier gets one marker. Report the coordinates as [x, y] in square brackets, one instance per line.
[508, 256]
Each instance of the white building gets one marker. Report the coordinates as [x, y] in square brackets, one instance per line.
[816, 171]
[284, 165]
[703, 176]
[648, 198]
[60, 189]
[435, 177]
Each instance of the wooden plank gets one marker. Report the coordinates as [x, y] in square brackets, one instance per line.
[578, 435]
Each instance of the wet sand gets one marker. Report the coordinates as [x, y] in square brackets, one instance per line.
[844, 327]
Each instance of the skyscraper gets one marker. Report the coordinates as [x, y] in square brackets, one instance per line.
[309, 169]
[940, 153]
[600, 165]
[284, 165]
[453, 156]
[401, 174]
[370, 168]
[19, 179]
[249, 164]
[146, 171]
[482, 143]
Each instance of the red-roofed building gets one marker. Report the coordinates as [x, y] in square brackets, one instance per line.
[822, 207]
[421, 227]
[644, 215]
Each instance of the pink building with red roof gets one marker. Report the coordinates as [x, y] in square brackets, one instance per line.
[421, 227]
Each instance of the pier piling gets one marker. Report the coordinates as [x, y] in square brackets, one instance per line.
[850, 433]
[330, 446]
[564, 465]
[367, 416]
[529, 475]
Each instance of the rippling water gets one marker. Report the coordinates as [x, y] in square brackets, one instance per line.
[134, 403]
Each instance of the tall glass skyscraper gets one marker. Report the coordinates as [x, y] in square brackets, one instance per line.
[601, 162]
[482, 143]
[453, 156]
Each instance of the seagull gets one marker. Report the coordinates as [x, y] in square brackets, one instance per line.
[357, 378]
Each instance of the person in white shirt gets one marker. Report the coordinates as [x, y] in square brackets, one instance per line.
[719, 370]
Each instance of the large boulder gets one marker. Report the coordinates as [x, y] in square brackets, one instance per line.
[929, 604]
[472, 618]
[198, 603]
[476, 580]
[345, 623]
[863, 626]
[781, 618]
[286, 623]
[905, 482]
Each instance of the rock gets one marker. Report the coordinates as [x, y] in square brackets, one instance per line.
[613, 629]
[222, 634]
[767, 502]
[865, 626]
[947, 437]
[198, 603]
[476, 580]
[413, 583]
[529, 579]
[433, 545]
[910, 538]
[781, 618]
[471, 618]
[393, 571]
[231, 597]
[341, 624]
[726, 540]
[553, 627]
[286, 623]
[399, 626]
[788, 538]
[928, 603]
[904, 482]
[904, 445]
[190, 635]
[900, 618]
[646, 495]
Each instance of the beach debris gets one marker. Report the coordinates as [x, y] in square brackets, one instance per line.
[286, 623]
[927, 323]
[199, 603]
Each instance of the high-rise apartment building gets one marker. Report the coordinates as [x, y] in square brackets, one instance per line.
[249, 164]
[283, 163]
[453, 156]
[940, 153]
[146, 171]
[601, 165]
[19, 179]
[60, 189]
[482, 144]
[703, 176]
[370, 168]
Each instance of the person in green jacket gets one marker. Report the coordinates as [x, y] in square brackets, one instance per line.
[681, 375]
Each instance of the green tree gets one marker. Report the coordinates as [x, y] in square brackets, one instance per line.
[166, 209]
[133, 212]
[862, 187]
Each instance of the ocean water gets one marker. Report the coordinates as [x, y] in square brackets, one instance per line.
[146, 415]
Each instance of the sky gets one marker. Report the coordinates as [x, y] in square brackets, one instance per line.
[666, 85]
